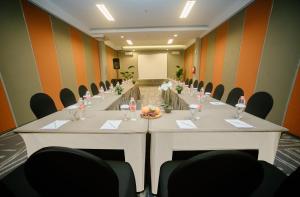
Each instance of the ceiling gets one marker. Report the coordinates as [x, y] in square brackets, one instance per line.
[145, 22]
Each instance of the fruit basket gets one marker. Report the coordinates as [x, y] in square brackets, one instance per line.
[150, 112]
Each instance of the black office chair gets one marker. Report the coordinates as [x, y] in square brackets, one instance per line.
[290, 185]
[260, 104]
[190, 82]
[195, 84]
[120, 81]
[186, 81]
[42, 105]
[211, 174]
[234, 95]
[219, 91]
[209, 87]
[60, 171]
[114, 82]
[82, 90]
[67, 97]
[107, 84]
[200, 85]
[101, 84]
[94, 89]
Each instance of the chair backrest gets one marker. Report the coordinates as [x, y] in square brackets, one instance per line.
[290, 186]
[234, 95]
[107, 84]
[200, 85]
[94, 89]
[219, 91]
[67, 97]
[114, 82]
[101, 84]
[42, 105]
[82, 90]
[190, 82]
[208, 87]
[216, 173]
[195, 84]
[120, 81]
[260, 104]
[186, 81]
[60, 171]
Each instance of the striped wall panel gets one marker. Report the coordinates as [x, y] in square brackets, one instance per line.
[110, 54]
[203, 55]
[189, 61]
[211, 47]
[96, 60]
[6, 121]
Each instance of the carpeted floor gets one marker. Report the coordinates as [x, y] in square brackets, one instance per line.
[13, 150]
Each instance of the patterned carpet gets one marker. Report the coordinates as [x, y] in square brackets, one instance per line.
[13, 150]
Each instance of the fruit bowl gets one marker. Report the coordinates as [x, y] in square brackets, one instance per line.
[150, 112]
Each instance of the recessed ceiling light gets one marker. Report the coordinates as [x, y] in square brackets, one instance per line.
[167, 49]
[170, 41]
[187, 8]
[175, 35]
[129, 42]
[122, 36]
[105, 12]
[133, 50]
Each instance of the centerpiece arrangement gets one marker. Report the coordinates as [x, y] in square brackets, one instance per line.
[150, 112]
[128, 74]
[179, 89]
[118, 89]
[166, 95]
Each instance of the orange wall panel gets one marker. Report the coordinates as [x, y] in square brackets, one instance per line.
[292, 119]
[6, 120]
[96, 60]
[40, 32]
[203, 55]
[189, 61]
[255, 27]
[220, 53]
[78, 55]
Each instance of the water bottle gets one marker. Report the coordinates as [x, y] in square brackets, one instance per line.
[132, 108]
[240, 106]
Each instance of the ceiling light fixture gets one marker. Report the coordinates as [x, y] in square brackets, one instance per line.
[122, 36]
[129, 42]
[170, 41]
[187, 8]
[175, 35]
[105, 12]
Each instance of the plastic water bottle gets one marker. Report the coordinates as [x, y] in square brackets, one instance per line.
[132, 108]
[240, 106]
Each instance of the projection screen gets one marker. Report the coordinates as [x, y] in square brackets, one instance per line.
[152, 66]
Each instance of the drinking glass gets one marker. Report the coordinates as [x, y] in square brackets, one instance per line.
[194, 109]
[125, 109]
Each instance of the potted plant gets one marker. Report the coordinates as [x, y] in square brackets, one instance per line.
[119, 89]
[128, 74]
[179, 73]
[179, 88]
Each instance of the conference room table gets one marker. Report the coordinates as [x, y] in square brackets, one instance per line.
[211, 132]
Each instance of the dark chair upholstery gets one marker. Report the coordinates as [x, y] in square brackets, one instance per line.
[94, 89]
[59, 171]
[67, 97]
[107, 84]
[101, 84]
[200, 85]
[114, 82]
[82, 90]
[260, 104]
[209, 87]
[211, 174]
[120, 81]
[190, 82]
[234, 95]
[290, 186]
[42, 105]
[195, 84]
[186, 81]
[219, 91]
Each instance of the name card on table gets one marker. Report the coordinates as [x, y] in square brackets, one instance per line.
[217, 103]
[111, 124]
[186, 124]
[238, 123]
[55, 124]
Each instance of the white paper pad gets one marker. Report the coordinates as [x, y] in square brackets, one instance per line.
[185, 124]
[55, 124]
[111, 124]
[238, 123]
[97, 96]
[217, 103]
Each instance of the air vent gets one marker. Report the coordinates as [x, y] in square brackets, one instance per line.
[175, 52]
[129, 53]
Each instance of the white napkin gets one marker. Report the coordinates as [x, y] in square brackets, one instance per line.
[185, 124]
[111, 124]
[238, 123]
[97, 96]
[55, 124]
[217, 103]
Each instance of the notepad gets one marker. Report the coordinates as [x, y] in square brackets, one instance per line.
[217, 103]
[185, 124]
[111, 124]
[238, 123]
[55, 124]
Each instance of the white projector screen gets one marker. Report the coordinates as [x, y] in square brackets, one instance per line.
[152, 66]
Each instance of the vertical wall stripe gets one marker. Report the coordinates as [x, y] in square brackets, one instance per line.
[88, 59]
[281, 56]
[292, 118]
[17, 62]
[189, 61]
[221, 37]
[211, 46]
[232, 52]
[64, 54]
[203, 57]
[110, 54]
[255, 27]
[78, 55]
[96, 60]
[6, 120]
[39, 27]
